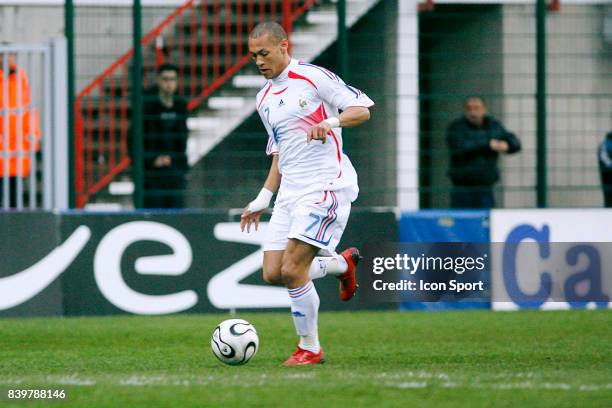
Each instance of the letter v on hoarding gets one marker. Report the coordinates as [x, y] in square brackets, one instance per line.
[23, 286]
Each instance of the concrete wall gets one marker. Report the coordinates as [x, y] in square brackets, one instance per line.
[459, 56]
[239, 161]
[30, 24]
[372, 68]
[489, 50]
[579, 104]
[103, 33]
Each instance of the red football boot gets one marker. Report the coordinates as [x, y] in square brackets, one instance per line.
[348, 280]
[305, 357]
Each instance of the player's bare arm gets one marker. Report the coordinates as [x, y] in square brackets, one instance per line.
[252, 212]
[352, 116]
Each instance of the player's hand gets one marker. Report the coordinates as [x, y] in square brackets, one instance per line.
[252, 212]
[318, 132]
[497, 145]
[247, 218]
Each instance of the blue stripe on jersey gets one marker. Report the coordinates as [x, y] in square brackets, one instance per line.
[269, 146]
[320, 69]
[275, 132]
[353, 90]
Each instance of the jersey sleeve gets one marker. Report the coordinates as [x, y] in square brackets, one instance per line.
[271, 147]
[335, 92]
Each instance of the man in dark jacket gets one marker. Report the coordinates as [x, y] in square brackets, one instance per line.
[165, 142]
[475, 141]
[605, 168]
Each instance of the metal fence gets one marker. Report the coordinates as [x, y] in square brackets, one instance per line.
[33, 127]
[417, 60]
[490, 50]
[206, 40]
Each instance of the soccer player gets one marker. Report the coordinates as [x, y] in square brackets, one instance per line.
[300, 107]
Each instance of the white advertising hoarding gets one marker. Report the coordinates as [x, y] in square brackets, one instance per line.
[551, 258]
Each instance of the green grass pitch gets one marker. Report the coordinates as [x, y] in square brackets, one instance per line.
[387, 359]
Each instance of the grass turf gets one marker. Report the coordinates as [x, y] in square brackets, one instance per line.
[448, 359]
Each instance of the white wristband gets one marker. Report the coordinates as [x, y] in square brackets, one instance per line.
[262, 201]
[333, 122]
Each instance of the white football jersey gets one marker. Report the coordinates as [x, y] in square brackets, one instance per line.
[300, 97]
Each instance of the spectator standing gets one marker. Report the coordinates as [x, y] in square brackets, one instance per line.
[20, 120]
[475, 141]
[605, 168]
[165, 142]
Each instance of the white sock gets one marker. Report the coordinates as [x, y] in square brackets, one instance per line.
[305, 312]
[322, 265]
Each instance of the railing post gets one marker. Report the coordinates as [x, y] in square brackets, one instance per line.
[342, 50]
[69, 28]
[287, 21]
[342, 40]
[542, 181]
[137, 154]
[63, 146]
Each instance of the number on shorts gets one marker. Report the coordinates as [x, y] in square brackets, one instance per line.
[317, 219]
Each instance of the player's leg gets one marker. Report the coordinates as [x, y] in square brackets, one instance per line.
[322, 266]
[348, 279]
[296, 261]
[317, 225]
[275, 244]
[304, 301]
[343, 266]
[351, 256]
[272, 267]
[321, 223]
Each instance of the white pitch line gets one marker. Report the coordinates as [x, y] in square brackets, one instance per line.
[401, 380]
[506, 386]
[301, 376]
[71, 380]
[411, 385]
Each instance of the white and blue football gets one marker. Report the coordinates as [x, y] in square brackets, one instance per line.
[234, 341]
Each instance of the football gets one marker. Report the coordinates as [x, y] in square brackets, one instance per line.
[234, 341]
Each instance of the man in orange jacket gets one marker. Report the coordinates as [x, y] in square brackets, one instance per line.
[23, 137]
